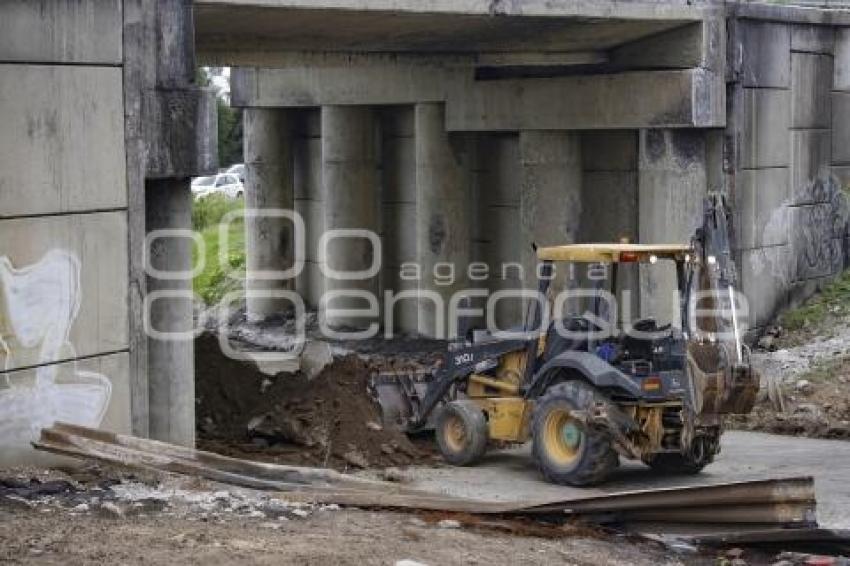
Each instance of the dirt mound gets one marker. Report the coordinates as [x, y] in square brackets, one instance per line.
[327, 421]
[817, 406]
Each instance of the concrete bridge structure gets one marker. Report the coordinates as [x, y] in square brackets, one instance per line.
[462, 132]
[458, 132]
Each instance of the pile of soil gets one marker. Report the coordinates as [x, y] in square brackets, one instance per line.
[817, 408]
[327, 421]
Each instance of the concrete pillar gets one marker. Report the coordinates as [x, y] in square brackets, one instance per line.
[672, 182]
[398, 195]
[349, 175]
[171, 363]
[610, 202]
[550, 196]
[442, 213]
[498, 214]
[269, 240]
[309, 200]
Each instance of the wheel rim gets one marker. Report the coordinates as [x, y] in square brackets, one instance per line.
[455, 434]
[562, 437]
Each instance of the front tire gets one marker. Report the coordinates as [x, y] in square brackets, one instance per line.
[462, 432]
[565, 449]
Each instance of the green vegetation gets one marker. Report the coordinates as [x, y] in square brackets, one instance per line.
[207, 213]
[229, 121]
[823, 309]
[229, 134]
[825, 371]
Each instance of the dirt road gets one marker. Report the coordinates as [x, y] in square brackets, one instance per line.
[510, 474]
[198, 523]
[331, 537]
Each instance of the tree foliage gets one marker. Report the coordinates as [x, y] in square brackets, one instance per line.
[229, 120]
[229, 134]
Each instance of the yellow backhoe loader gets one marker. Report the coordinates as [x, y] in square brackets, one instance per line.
[583, 397]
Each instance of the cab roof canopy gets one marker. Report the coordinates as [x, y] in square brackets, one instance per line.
[614, 253]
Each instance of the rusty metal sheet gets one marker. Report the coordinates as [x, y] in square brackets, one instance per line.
[783, 502]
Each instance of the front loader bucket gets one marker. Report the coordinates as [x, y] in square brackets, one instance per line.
[399, 396]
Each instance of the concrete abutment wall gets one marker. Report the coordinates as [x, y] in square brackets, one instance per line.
[789, 121]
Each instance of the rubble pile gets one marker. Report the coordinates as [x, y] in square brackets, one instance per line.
[169, 497]
[327, 421]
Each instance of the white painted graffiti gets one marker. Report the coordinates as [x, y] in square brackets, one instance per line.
[38, 306]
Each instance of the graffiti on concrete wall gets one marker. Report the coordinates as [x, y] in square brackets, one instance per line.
[816, 226]
[38, 305]
[819, 231]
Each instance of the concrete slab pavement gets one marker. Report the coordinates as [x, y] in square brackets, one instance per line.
[506, 475]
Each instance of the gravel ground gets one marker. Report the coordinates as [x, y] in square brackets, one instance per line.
[175, 520]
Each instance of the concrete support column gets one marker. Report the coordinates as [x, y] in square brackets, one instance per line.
[309, 200]
[349, 175]
[171, 362]
[495, 238]
[672, 182]
[269, 240]
[442, 213]
[398, 195]
[550, 195]
[610, 203]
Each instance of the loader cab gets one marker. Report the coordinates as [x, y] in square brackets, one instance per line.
[648, 351]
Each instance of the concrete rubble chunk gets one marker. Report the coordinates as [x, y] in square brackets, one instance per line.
[315, 357]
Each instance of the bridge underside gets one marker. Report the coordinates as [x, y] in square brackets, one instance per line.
[460, 133]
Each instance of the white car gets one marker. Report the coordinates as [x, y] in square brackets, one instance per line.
[238, 170]
[203, 186]
[223, 183]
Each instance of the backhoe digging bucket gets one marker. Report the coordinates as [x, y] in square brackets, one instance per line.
[399, 396]
[721, 379]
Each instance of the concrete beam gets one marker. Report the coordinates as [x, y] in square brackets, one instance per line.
[541, 58]
[442, 26]
[180, 128]
[692, 98]
[700, 44]
[686, 98]
[676, 9]
[269, 240]
[791, 14]
[373, 82]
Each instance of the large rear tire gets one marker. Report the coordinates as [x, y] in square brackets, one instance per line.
[565, 449]
[462, 432]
